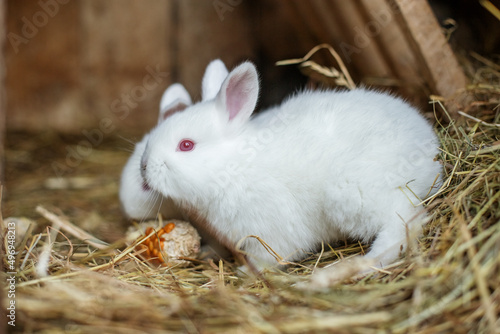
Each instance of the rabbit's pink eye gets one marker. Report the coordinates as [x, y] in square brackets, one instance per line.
[185, 145]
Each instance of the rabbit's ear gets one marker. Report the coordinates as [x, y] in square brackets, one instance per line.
[238, 95]
[174, 99]
[215, 74]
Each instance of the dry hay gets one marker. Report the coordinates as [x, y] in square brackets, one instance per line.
[69, 281]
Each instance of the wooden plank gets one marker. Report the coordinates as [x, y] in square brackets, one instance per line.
[211, 29]
[368, 38]
[400, 69]
[436, 60]
[41, 51]
[382, 45]
[126, 60]
[91, 59]
[82, 59]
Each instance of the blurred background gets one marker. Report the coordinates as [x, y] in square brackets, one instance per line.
[83, 78]
[71, 63]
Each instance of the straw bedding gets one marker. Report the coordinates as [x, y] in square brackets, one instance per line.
[69, 281]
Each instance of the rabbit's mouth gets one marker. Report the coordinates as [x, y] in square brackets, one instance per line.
[145, 186]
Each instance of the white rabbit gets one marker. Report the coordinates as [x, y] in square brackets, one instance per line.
[138, 200]
[322, 166]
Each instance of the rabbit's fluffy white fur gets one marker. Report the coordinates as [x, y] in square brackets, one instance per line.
[138, 200]
[322, 166]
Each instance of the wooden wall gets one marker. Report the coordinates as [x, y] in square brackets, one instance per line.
[75, 65]
[93, 60]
